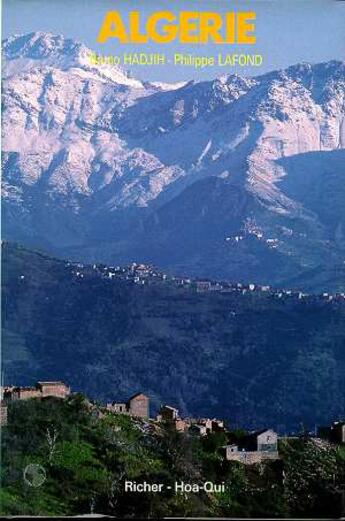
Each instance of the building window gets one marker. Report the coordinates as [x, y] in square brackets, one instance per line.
[267, 447]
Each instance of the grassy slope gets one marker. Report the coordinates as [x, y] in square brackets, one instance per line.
[87, 458]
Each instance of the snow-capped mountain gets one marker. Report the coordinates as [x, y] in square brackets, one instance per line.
[238, 178]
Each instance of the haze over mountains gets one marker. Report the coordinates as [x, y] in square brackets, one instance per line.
[236, 178]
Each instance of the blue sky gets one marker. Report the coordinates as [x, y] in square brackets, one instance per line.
[288, 31]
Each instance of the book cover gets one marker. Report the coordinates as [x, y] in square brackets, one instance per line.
[173, 259]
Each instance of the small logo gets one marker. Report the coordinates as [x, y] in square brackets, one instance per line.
[34, 475]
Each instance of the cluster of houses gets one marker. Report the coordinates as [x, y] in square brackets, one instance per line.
[144, 274]
[239, 288]
[201, 426]
[251, 230]
[254, 447]
[39, 390]
[137, 273]
[137, 405]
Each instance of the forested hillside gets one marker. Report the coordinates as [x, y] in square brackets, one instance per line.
[253, 359]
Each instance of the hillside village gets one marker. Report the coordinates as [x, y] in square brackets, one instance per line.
[249, 448]
[147, 275]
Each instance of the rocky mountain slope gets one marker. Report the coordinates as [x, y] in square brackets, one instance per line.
[247, 358]
[239, 178]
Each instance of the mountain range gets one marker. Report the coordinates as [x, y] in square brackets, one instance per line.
[240, 178]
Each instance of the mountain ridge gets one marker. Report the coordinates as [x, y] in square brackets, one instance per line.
[98, 164]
